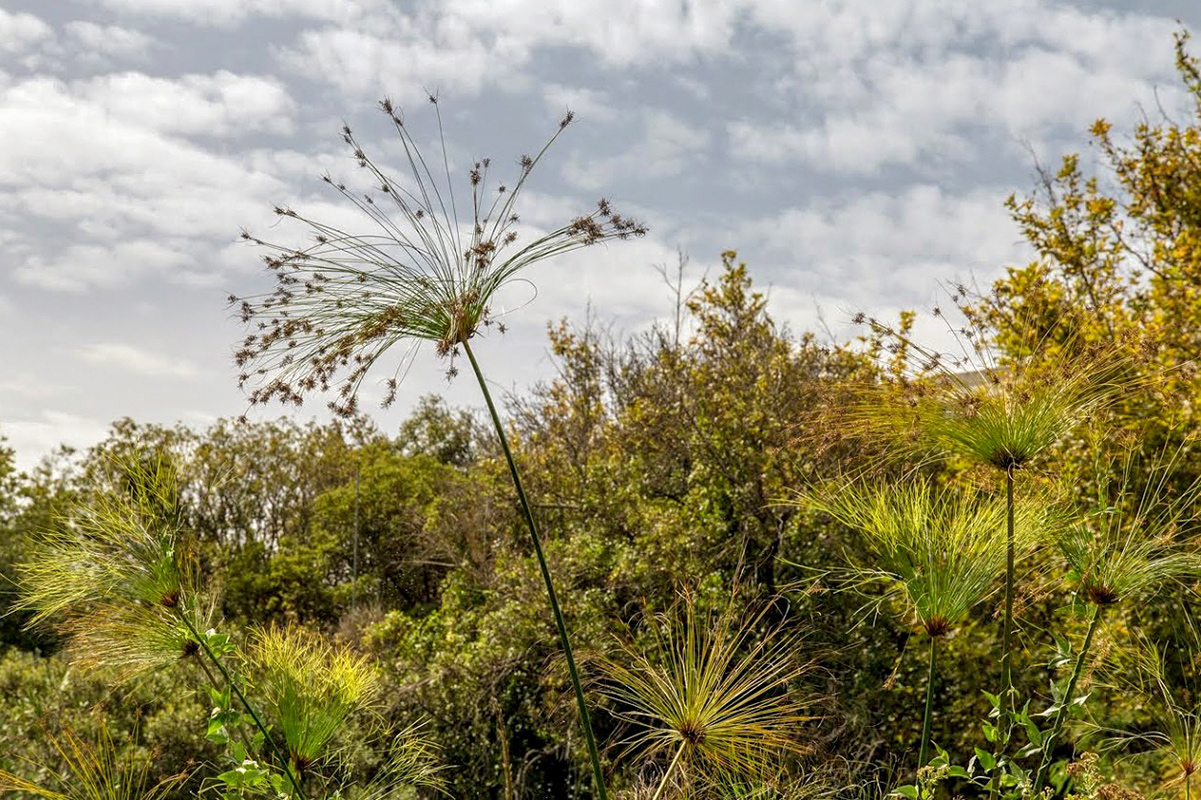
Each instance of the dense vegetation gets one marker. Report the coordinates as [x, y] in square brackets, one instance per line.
[786, 568]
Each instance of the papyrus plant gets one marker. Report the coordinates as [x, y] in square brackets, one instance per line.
[1001, 414]
[424, 269]
[1163, 676]
[95, 770]
[713, 696]
[1128, 544]
[118, 577]
[310, 688]
[939, 548]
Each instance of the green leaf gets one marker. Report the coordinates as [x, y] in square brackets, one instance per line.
[217, 642]
[910, 792]
[986, 759]
[1029, 750]
[1049, 711]
[1033, 732]
[219, 698]
[216, 732]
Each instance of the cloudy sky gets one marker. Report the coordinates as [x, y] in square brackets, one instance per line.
[854, 152]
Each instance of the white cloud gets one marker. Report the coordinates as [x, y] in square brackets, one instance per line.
[53, 137]
[933, 110]
[139, 199]
[224, 13]
[22, 32]
[137, 360]
[29, 386]
[917, 82]
[620, 32]
[591, 105]
[667, 147]
[83, 266]
[367, 63]
[470, 44]
[854, 143]
[96, 44]
[220, 104]
[34, 436]
[897, 246]
[841, 32]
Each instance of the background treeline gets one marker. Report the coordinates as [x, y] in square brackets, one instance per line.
[657, 466]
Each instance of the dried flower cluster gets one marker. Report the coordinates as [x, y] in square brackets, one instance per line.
[420, 274]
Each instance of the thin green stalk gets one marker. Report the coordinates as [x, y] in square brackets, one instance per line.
[216, 684]
[1066, 704]
[1005, 720]
[242, 699]
[597, 775]
[667, 774]
[1007, 630]
[923, 749]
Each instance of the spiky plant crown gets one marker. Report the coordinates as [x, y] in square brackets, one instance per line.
[94, 771]
[1164, 676]
[118, 576]
[310, 686]
[1003, 412]
[940, 547]
[413, 760]
[424, 271]
[1128, 543]
[711, 689]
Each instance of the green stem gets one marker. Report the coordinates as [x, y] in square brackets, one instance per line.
[1007, 630]
[242, 699]
[923, 749]
[667, 774]
[1066, 704]
[597, 775]
[216, 684]
[1005, 711]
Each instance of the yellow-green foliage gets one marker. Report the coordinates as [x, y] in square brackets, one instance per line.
[711, 694]
[118, 575]
[310, 687]
[939, 546]
[95, 770]
[1134, 539]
